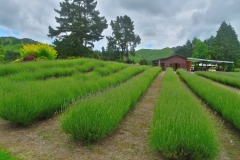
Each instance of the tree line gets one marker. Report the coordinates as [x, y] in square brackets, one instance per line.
[80, 25]
[224, 46]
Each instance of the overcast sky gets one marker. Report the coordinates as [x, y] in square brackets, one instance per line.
[159, 23]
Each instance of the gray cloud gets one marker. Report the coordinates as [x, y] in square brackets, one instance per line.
[160, 23]
[29, 18]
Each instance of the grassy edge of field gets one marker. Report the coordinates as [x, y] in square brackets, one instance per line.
[4, 155]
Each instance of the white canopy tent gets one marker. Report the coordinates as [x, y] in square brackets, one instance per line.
[204, 63]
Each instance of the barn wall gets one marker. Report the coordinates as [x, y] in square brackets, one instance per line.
[175, 59]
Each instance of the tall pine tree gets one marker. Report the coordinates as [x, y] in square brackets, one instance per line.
[226, 45]
[123, 37]
[79, 27]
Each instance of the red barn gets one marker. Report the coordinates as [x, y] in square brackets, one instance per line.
[175, 61]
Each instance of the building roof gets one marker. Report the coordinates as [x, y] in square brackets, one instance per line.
[196, 59]
[170, 57]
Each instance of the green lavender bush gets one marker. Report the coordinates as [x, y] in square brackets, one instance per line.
[220, 99]
[231, 79]
[181, 128]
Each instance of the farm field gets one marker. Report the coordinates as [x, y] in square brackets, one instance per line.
[129, 116]
[228, 133]
[34, 99]
[44, 138]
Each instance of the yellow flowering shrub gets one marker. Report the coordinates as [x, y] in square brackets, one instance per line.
[41, 50]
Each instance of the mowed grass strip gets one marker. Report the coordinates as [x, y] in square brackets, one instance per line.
[24, 102]
[220, 99]
[231, 79]
[180, 128]
[95, 117]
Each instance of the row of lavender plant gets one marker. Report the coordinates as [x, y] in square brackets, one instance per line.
[181, 128]
[14, 68]
[231, 79]
[23, 102]
[96, 116]
[56, 71]
[221, 99]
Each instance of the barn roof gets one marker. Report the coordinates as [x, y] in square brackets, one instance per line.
[170, 57]
[196, 59]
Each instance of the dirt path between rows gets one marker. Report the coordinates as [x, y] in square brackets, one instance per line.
[44, 140]
[228, 135]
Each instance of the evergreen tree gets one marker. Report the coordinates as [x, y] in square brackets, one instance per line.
[226, 45]
[1, 51]
[209, 42]
[189, 48]
[80, 26]
[186, 50]
[123, 37]
[194, 41]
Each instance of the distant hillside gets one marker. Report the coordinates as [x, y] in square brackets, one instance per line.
[14, 44]
[151, 54]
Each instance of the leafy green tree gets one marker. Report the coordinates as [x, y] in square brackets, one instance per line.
[1, 51]
[200, 50]
[123, 38]
[79, 27]
[226, 45]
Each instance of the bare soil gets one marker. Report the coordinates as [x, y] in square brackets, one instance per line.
[44, 140]
[228, 135]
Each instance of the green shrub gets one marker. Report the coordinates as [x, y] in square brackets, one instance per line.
[236, 70]
[40, 49]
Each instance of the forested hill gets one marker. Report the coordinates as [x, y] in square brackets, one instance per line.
[14, 44]
[151, 54]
